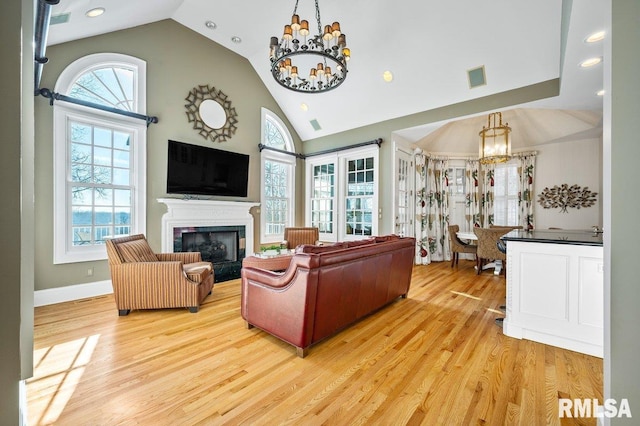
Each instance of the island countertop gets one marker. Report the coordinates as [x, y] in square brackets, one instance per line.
[581, 237]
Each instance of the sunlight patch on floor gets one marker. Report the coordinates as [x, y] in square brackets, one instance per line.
[466, 295]
[58, 370]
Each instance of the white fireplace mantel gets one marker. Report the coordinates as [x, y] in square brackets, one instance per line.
[192, 213]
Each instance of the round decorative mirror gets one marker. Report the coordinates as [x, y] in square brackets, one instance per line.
[211, 113]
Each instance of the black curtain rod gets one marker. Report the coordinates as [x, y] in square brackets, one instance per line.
[60, 97]
[328, 151]
[281, 151]
[40, 33]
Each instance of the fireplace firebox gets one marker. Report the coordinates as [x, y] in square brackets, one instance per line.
[224, 246]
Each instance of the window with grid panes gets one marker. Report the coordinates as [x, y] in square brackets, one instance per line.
[505, 194]
[359, 197]
[277, 183]
[323, 197]
[456, 180]
[100, 184]
[342, 189]
[100, 157]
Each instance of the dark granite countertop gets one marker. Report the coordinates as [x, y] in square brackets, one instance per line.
[557, 236]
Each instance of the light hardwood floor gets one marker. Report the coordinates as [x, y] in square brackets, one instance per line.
[435, 358]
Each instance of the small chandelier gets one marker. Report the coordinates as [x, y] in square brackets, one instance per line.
[495, 144]
[309, 64]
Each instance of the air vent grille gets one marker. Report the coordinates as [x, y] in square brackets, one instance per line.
[315, 124]
[61, 18]
[477, 77]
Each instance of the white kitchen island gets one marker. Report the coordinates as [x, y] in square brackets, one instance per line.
[555, 289]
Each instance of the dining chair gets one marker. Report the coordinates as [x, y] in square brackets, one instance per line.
[458, 246]
[488, 246]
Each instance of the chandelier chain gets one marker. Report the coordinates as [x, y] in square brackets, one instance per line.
[318, 18]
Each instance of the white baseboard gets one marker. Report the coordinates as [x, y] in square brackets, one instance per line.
[51, 296]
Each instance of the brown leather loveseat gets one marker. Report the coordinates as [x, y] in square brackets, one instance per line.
[327, 288]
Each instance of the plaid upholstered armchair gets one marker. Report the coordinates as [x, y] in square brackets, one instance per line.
[142, 279]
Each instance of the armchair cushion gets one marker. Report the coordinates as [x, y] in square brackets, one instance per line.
[197, 271]
[137, 251]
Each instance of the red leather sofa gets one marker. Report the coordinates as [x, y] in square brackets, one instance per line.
[327, 288]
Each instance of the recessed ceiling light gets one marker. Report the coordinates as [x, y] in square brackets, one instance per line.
[590, 62]
[211, 25]
[304, 107]
[236, 39]
[96, 11]
[600, 93]
[387, 76]
[597, 36]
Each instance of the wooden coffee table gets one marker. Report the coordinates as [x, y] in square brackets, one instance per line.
[278, 262]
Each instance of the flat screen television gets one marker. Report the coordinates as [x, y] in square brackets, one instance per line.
[199, 170]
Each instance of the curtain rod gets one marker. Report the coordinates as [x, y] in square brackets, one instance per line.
[40, 33]
[281, 151]
[47, 93]
[328, 151]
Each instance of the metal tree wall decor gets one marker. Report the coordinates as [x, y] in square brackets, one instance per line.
[211, 113]
[565, 196]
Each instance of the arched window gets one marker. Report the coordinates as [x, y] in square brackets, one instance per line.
[278, 179]
[99, 157]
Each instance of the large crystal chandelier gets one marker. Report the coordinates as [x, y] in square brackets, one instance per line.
[309, 64]
[495, 143]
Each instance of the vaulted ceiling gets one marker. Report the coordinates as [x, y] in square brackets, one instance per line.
[427, 45]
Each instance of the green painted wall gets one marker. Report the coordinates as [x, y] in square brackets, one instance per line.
[16, 210]
[622, 373]
[178, 59]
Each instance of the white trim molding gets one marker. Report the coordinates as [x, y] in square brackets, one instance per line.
[51, 296]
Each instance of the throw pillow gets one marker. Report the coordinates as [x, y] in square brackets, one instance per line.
[137, 251]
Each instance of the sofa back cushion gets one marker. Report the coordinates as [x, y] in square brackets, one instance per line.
[137, 251]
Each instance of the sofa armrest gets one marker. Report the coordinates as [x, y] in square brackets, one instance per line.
[184, 257]
[281, 304]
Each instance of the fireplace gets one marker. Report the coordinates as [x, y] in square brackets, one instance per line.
[214, 246]
[222, 231]
[224, 246]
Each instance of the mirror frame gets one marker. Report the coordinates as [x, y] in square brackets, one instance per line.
[201, 93]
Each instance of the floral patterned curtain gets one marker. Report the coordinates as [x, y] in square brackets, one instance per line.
[432, 210]
[472, 195]
[526, 171]
[487, 173]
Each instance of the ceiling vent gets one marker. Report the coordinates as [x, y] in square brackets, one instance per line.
[315, 124]
[61, 18]
[477, 77]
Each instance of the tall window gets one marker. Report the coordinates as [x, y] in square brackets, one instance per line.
[323, 193]
[359, 197]
[505, 194]
[278, 178]
[343, 193]
[99, 157]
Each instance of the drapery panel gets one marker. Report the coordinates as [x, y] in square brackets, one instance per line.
[432, 210]
[526, 172]
[487, 173]
[472, 194]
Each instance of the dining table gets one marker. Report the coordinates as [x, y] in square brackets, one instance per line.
[471, 236]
